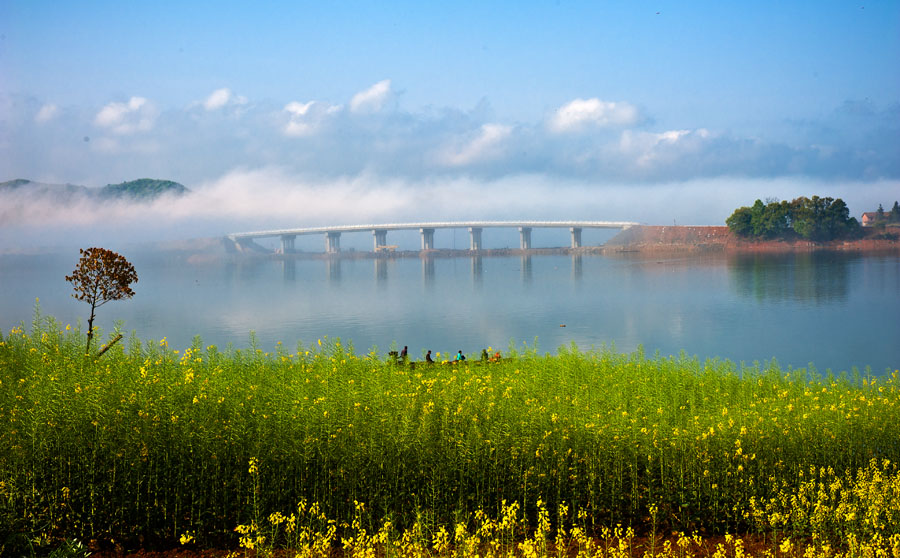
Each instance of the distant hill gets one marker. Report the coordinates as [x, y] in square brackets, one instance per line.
[17, 183]
[141, 190]
[29, 186]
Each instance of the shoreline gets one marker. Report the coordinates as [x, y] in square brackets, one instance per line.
[640, 240]
[704, 239]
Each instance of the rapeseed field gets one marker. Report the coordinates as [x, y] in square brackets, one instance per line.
[318, 450]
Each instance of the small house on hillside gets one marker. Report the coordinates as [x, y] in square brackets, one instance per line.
[869, 218]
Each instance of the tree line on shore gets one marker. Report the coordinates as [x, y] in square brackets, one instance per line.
[818, 219]
[883, 217]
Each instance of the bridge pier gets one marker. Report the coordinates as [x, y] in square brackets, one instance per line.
[475, 238]
[525, 238]
[576, 237]
[287, 243]
[332, 242]
[427, 239]
[380, 238]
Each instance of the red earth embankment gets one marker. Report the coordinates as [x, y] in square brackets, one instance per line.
[720, 239]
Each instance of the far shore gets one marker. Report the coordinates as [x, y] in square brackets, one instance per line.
[720, 239]
[642, 239]
[637, 240]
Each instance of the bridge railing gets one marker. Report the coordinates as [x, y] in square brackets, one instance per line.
[426, 229]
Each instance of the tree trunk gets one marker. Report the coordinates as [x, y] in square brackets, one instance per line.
[90, 334]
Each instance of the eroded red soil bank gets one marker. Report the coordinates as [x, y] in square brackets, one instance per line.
[720, 239]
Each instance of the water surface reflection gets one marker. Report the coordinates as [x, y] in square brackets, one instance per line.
[836, 310]
[817, 277]
[334, 269]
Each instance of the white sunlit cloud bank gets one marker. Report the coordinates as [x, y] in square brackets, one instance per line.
[265, 164]
[221, 98]
[586, 138]
[583, 114]
[372, 99]
[137, 115]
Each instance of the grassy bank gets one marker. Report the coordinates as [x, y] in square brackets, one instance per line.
[148, 445]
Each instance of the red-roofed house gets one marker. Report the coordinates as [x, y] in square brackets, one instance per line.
[869, 218]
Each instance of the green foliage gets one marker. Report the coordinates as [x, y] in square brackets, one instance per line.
[818, 219]
[883, 217]
[151, 443]
[741, 221]
[70, 548]
[144, 188]
[822, 218]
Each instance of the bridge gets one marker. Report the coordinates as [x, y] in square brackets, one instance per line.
[426, 229]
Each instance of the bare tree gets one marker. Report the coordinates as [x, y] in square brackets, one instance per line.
[102, 275]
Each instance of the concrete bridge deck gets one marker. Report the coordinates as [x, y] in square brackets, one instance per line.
[426, 229]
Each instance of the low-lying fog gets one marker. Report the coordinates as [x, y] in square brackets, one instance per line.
[270, 198]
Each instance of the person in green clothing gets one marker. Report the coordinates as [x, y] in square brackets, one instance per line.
[459, 356]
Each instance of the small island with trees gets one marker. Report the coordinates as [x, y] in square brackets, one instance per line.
[818, 219]
[816, 223]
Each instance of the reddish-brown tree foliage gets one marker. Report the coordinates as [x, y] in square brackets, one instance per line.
[102, 275]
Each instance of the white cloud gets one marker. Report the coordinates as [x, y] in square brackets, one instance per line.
[305, 119]
[583, 113]
[137, 115]
[316, 138]
[298, 124]
[487, 145]
[217, 99]
[222, 97]
[47, 113]
[645, 148]
[372, 99]
[298, 109]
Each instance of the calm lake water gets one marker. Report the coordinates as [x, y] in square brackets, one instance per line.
[834, 311]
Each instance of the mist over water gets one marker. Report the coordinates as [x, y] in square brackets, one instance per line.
[272, 198]
[836, 311]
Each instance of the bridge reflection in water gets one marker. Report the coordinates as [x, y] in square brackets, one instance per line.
[527, 270]
[334, 270]
[428, 270]
[477, 269]
[381, 271]
[381, 266]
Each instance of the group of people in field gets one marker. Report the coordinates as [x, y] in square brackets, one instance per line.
[460, 357]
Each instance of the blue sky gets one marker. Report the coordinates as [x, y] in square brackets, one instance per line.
[337, 111]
